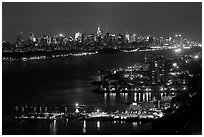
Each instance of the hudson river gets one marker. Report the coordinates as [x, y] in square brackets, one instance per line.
[66, 81]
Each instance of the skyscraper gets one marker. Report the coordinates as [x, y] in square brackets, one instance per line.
[133, 38]
[78, 37]
[158, 69]
[32, 37]
[99, 33]
[127, 37]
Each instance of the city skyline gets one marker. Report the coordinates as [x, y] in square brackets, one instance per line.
[158, 19]
[101, 68]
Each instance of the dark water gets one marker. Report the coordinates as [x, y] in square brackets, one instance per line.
[68, 81]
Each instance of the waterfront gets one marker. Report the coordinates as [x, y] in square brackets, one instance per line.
[75, 127]
[68, 81]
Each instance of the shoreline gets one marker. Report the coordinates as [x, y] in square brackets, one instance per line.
[41, 55]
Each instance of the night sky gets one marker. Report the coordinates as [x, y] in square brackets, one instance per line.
[156, 19]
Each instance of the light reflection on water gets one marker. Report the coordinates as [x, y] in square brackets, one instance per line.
[139, 97]
[53, 128]
[126, 97]
[150, 96]
[147, 97]
[135, 97]
[114, 98]
[144, 99]
[134, 124]
[66, 81]
[84, 126]
[95, 127]
[98, 125]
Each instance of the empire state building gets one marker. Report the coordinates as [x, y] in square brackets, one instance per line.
[98, 32]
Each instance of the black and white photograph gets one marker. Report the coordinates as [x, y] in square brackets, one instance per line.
[101, 68]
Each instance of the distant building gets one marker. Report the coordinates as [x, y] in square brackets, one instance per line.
[141, 66]
[98, 32]
[90, 38]
[151, 39]
[78, 36]
[121, 38]
[83, 37]
[161, 40]
[133, 38]
[147, 38]
[44, 40]
[127, 37]
[19, 39]
[32, 37]
[135, 107]
[113, 36]
[54, 39]
[49, 41]
[158, 69]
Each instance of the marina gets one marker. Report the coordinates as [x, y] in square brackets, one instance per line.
[134, 113]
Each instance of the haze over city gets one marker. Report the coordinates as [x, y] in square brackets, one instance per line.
[156, 19]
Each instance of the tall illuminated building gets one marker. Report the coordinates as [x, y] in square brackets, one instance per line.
[127, 37]
[44, 40]
[158, 68]
[78, 36]
[54, 39]
[70, 39]
[98, 32]
[32, 37]
[133, 38]
[49, 40]
[161, 40]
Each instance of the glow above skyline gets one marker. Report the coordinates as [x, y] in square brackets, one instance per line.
[156, 19]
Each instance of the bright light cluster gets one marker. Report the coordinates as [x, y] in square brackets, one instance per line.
[177, 50]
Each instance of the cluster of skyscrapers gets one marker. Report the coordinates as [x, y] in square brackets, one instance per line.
[82, 41]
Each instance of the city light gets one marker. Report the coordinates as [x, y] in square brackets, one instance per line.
[61, 35]
[77, 110]
[177, 50]
[98, 124]
[196, 56]
[161, 88]
[184, 88]
[97, 82]
[174, 64]
[84, 124]
[83, 42]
